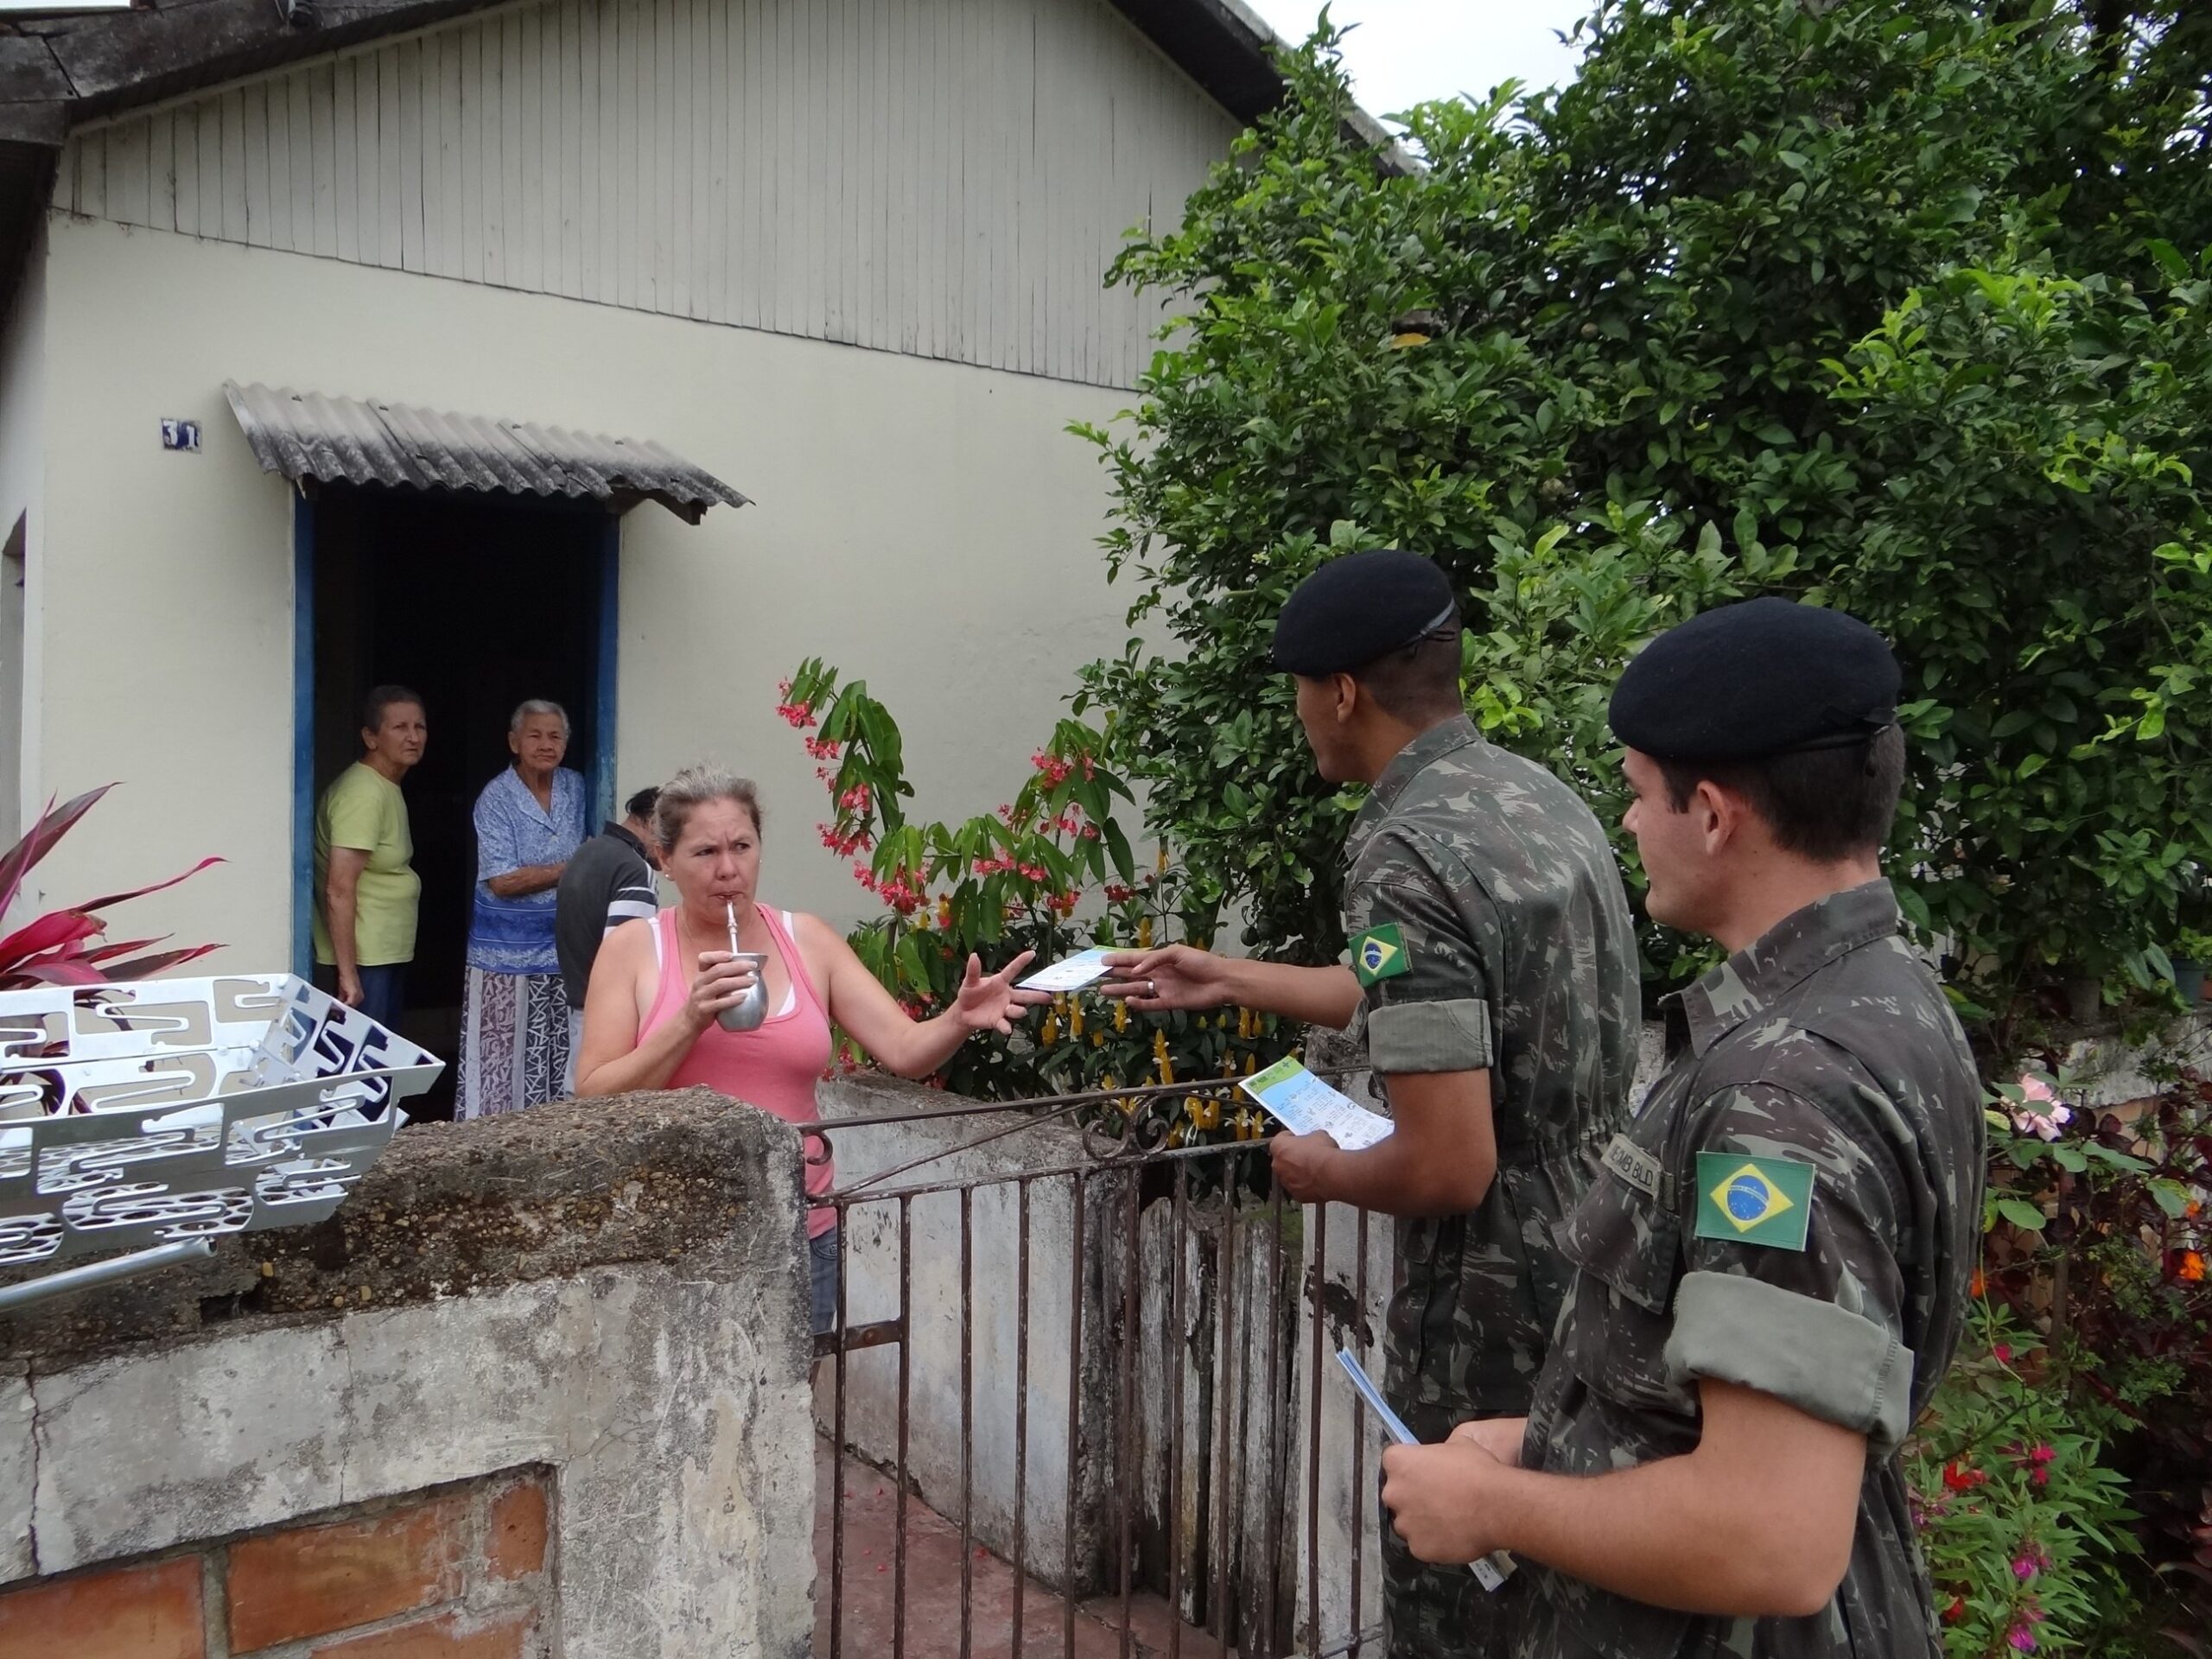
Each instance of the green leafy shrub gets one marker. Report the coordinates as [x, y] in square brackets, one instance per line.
[1051, 871]
[1886, 305]
[2023, 1524]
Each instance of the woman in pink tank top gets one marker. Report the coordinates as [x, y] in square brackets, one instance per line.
[657, 987]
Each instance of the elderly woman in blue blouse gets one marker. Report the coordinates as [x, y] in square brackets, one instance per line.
[529, 819]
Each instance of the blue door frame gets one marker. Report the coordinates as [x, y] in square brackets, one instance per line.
[604, 677]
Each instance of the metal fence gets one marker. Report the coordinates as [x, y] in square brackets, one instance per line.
[1105, 1356]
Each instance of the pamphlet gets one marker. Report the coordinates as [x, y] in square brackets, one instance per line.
[1304, 1104]
[1084, 967]
[1493, 1569]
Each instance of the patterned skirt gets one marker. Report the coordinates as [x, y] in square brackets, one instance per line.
[514, 1043]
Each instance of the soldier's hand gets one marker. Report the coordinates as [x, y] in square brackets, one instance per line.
[1438, 1496]
[1171, 976]
[1499, 1436]
[1303, 1164]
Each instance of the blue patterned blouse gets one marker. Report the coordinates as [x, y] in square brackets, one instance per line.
[515, 936]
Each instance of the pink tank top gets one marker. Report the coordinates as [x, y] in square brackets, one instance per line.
[774, 1066]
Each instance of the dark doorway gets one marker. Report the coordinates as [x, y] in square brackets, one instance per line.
[478, 604]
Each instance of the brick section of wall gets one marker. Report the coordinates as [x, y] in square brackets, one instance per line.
[463, 1572]
[312, 1580]
[149, 1611]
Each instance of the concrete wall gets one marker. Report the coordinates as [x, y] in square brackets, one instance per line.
[927, 524]
[610, 1291]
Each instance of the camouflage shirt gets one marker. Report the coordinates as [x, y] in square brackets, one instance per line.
[1827, 1044]
[1503, 944]
[1489, 926]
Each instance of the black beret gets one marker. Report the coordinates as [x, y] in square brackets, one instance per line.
[1357, 608]
[1767, 676]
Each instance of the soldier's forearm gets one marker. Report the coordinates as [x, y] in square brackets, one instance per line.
[1756, 1521]
[1315, 997]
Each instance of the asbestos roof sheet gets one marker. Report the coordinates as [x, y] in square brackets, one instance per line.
[306, 435]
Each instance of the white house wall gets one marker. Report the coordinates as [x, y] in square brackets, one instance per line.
[926, 524]
[22, 489]
[941, 178]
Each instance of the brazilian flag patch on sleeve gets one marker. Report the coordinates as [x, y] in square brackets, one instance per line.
[1379, 953]
[1754, 1200]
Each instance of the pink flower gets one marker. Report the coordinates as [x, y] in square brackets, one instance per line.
[2036, 1090]
[2045, 1125]
[2022, 1638]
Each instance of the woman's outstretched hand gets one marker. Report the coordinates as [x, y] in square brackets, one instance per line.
[992, 1003]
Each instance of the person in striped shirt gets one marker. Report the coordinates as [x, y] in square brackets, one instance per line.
[608, 882]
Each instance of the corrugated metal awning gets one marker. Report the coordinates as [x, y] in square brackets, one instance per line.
[304, 435]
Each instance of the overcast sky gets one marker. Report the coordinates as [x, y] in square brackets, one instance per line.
[1404, 51]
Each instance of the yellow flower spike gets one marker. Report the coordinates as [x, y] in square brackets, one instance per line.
[1120, 1014]
[1160, 1045]
[1206, 1114]
[1075, 1019]
[1144, 934]
[1175, 1135]
[1051, 1031]
[1251, 1064]
[1166, 1070]
[1099, 1039]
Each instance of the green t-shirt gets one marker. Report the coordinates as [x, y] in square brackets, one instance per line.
[364, 810]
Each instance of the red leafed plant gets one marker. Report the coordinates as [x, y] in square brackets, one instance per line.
[69, 946]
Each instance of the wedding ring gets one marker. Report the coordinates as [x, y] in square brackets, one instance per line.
[1152, 988]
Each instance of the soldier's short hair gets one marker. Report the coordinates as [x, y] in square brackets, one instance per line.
[1419, 682]
[1820, 804]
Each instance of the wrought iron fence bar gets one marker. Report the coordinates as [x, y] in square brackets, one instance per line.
[837, 1466]
[1222, 1599]
[1127, 1467]
[967, 1421]
[906, 1395]
[1075, 1412]
[1272, 1537]
[879, 1333]
[848, 1198]
[1040, 1110]
[1178, 1346]
[1021, 1420]
[1314, 1286]
[1358, 1428]
[1349, 1644]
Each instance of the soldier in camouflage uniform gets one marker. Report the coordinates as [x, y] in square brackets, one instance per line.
[1494, 960]
[1772, 1275]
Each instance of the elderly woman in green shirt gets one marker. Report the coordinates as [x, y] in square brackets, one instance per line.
[367, 889]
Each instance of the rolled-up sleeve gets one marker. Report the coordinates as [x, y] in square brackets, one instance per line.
[1434, 1015]
[1820, 1327]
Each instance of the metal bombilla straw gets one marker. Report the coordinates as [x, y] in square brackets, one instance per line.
[747, 1012]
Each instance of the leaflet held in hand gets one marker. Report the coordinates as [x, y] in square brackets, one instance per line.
[1072, 974]
[1304, 1105]
[1494, 1568]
